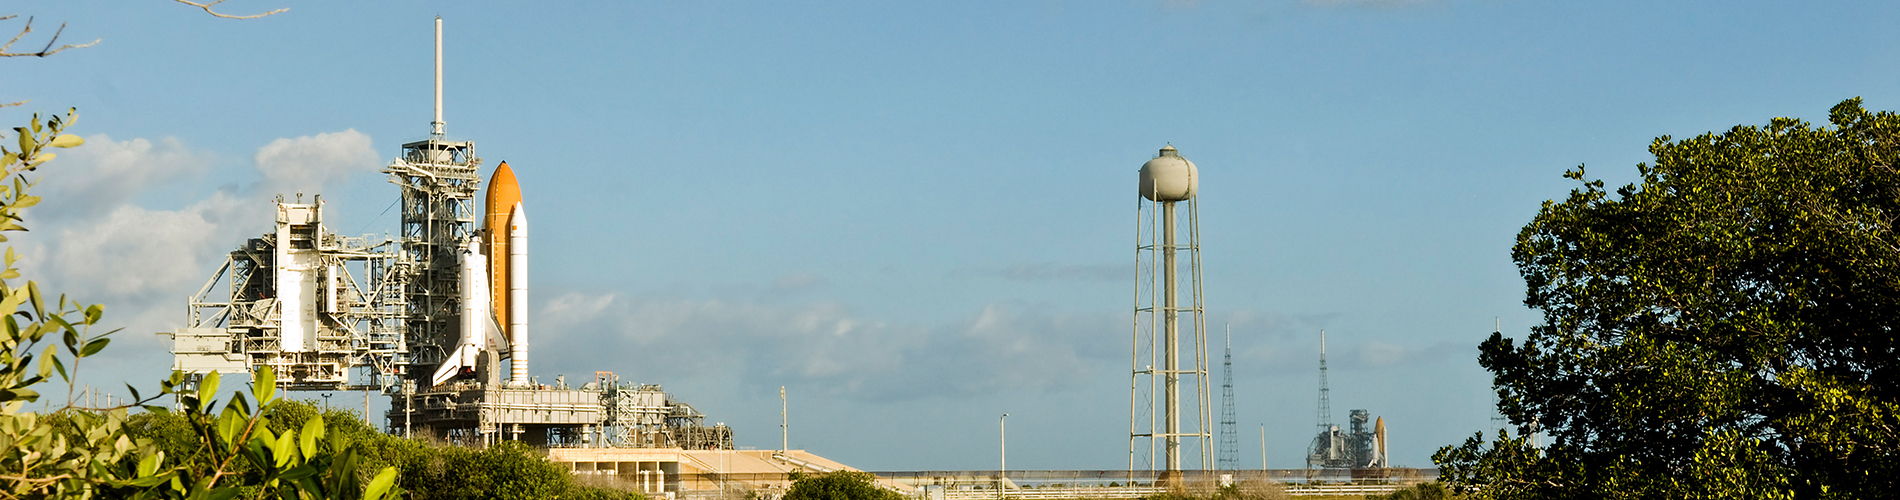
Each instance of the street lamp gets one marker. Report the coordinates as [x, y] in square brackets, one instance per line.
[1002, 436]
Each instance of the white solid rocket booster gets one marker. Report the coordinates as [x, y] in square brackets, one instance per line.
[518, 296]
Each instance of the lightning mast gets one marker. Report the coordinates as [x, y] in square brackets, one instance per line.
[1229, 432]
[1325, 393]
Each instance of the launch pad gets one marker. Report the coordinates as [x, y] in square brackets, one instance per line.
[435, 319]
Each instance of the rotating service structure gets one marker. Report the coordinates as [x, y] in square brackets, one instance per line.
[307, 303]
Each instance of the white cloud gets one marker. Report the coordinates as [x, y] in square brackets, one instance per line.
[134, 252]
[122, 226]
[309, 163]
[1377, 354]
[823, 344]
[1060, 272]
[92, 179]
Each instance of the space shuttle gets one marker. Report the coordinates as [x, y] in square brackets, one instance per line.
[494, 273]
[494, 287]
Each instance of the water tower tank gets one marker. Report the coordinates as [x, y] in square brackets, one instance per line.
[1169, 177]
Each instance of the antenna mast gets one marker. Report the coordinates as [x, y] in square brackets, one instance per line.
[436, 127]
[1229, 432]
[1325, 394]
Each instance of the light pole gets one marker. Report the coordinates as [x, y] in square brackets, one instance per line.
[1263, 448]
[1002, 446]
[784, 423]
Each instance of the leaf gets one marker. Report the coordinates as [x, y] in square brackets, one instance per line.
[264, 384]
[66, 141]
[94, 347]
[33, 294]
[379, 487]
[299, 472]
[208, 388]
[47, 357]
[149, 464]
[229, 425]
[312, 433]
[285, 448]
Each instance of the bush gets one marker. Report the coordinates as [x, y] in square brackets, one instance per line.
[840, 485]
[1420, 491]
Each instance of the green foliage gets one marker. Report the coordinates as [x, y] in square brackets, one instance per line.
[75, 452]
[1420, 491]
[839, 485]
[1245, 490]
[69, 452]
[425, 470]
[1722, 329]
[506, 470]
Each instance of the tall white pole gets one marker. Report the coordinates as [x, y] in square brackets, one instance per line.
[784, 429]
[436, 127]
[1002, 436]
[1263, 447]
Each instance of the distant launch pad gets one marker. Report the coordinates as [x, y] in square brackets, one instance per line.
[436, 319]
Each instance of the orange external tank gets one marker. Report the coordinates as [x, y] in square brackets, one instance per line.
[503, 194]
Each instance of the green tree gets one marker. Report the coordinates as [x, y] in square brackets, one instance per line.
[839, 485]
[1724, 328]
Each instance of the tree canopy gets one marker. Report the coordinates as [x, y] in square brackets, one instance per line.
[1723, 328]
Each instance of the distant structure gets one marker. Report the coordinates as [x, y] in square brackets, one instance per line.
[436, 318]
[1229, 424]
[1167, 181]
[1325, 392]
[1360, 451]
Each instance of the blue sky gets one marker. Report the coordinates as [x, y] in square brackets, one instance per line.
[918, 215]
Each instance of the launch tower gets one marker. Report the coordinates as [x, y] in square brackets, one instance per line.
[428, 317]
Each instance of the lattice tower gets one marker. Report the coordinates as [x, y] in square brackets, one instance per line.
[1229, 424]
[1325, 393]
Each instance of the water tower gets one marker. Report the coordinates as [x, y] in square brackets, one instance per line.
[1169, 183]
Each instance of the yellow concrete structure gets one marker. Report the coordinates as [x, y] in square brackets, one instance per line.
[678, 473]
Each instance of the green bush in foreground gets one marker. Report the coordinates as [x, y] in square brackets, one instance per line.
[426, 470]
[1420, 491]
[840, 485]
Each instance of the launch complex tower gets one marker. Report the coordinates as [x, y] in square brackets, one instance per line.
[436, 319]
